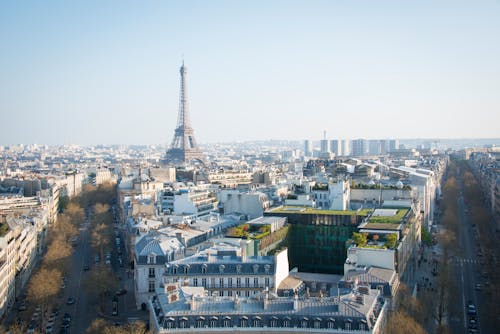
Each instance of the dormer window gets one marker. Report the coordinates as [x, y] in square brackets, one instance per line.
[151, 259]
[204, 269]
[238, 269]
[255, 268]
[186, 269]
[267, 267]
[221, 268]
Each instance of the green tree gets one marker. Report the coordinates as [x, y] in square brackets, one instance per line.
[360, 239]
[391, 240]
[426, 236]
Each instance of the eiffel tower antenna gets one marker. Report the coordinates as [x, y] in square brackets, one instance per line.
[184, 147]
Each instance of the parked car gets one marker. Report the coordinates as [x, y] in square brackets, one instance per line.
[70, 301]
[22, 306]
[67, 317]
[121, 292]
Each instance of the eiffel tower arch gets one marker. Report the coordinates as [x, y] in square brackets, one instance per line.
[184, 148]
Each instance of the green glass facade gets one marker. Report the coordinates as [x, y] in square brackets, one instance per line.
[317, 242]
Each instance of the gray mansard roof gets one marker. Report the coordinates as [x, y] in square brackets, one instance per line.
[219, 262]
[159, 245]
[359, 312]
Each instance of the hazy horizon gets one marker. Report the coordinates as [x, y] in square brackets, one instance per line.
[108, 72]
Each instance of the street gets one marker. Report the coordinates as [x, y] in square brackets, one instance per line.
[466, 266]
[75, 299]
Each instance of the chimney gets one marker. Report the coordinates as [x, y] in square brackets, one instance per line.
[179, 236]
[236, 302]
[296, 305]
[193, 306]
[266, 298]
[243, 251]
[360, 299]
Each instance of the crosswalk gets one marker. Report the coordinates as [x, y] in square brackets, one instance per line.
[459, 260]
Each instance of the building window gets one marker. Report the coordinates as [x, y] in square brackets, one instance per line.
[170, 324]
[221, 268]
[243, 322]
[152, 259]
[195, 282]
[204, 270]
[230, 282]
[317, 324]
[238, 282]
[186, 269]
[151, 286]
[200, 323]
[227, 322]
[273, 323]
[286, 323]
[256, 282]
[266, 268]
[303, 323]
[212, 282]
[152, 272]
[204, 282]
[267, 282]
[230, 293]
[183, 323]
[256, 322]
[348, 326]
[213, 322]
[174, 270]
[255, 268]
[238, 269]
[361, 326]
[221, 282]
[247, 293]
[247, 282]
[330, 324]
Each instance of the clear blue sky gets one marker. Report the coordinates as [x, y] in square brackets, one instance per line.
[89, 72]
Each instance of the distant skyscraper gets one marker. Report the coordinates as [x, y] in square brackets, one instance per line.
[324, 144]
[346, 147]
[393, 144]
[374, 147]
[384, 146]
[358, 147]
[336, 147]
[308, 148]
[183, 148]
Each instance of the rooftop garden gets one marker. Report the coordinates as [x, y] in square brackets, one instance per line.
[364, 240]
[307, 210]
[320, 186]
[4, 228]
[396, 219]
[249, 231]
[379, 186]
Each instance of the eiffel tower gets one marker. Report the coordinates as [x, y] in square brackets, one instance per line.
[184, 148]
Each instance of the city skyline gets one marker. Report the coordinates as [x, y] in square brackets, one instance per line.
[107, 73]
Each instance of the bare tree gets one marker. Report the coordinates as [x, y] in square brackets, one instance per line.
[44, 287]
[401, 323]
[101, 282]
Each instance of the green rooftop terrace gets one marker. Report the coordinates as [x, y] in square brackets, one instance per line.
[4, 228]
[309, 211]
[395, 219]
